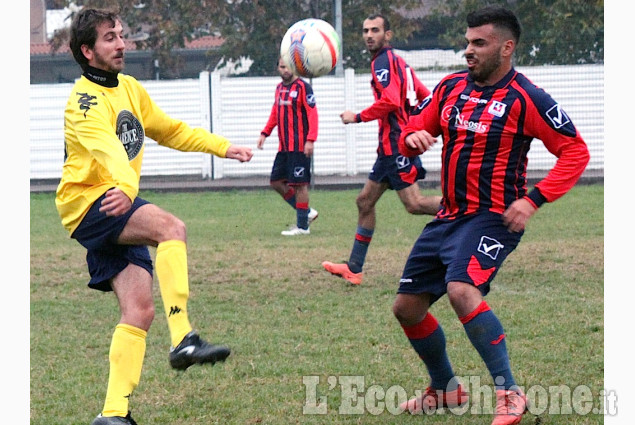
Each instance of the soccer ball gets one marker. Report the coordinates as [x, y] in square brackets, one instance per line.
[310, 48]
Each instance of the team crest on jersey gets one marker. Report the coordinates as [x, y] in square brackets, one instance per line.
[293, 94]
[497, 108]
[130, 133]
[448, 112]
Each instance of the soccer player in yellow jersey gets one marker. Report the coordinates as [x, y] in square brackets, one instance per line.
[107, 118]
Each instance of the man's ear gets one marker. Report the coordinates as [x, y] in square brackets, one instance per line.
[508, 48]
[87, 51]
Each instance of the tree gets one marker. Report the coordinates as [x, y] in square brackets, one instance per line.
[250, 28]
[255, 29]
[553, 31]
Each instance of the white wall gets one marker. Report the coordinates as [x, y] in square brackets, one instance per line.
[240, 106]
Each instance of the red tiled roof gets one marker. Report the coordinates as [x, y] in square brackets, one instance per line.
[205, 42]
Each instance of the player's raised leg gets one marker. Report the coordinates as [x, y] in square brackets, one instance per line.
[150, 225]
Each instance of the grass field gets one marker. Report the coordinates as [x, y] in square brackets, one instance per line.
[300, 336]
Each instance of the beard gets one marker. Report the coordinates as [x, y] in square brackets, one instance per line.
[487, 69]
[111, 66]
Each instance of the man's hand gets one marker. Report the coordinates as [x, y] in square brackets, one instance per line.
[420, 141]
[241, 153]
[115, 203]
[308, 149]
[261, 141]
[348, 117]
[518, 214]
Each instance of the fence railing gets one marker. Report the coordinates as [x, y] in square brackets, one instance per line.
[238, 108]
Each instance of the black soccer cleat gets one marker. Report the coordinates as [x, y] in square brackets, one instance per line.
[114, 420]
[194, 350]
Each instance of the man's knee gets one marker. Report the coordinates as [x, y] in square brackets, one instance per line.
[139, 314]
[463, 297]
[412, 207]
[171, 228]
[409, 309]
[364, 203]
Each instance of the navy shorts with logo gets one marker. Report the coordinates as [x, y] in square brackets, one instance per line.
[469, 249]
[292, 167]
[397, 170]
[98, 233]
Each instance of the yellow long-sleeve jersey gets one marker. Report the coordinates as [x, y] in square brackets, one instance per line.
[104, 131]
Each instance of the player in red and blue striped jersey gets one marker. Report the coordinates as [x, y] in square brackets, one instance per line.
[294, 112]
[487, 118]
[396, 90]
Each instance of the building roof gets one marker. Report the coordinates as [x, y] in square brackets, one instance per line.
[201, 43]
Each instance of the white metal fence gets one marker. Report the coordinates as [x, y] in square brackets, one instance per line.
[238, 108]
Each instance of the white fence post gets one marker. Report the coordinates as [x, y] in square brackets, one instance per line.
[217, 122]
[350, 133]
[206, 120]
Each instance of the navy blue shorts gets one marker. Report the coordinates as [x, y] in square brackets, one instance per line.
[398, 171]
[469, 249]
[98, 233]
[292, 167]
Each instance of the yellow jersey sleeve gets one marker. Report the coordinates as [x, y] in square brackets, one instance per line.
[176, 134]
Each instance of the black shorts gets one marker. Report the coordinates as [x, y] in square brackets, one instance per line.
[98, 233]
[398, 171]
[292, 167]
[470, 249]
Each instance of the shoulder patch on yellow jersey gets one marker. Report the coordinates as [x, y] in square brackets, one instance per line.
[85, 101]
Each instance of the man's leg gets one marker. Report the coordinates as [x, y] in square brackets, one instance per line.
[418, 204]
[428, 340]
[426, 337]
[488, 337]
[366, 201]
[302, 206]
[133, 288]
[287, 192]
[366, 220]
[150, 225]
[484, 330]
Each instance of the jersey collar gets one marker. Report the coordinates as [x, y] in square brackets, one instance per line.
[101, 77]
[498, 85]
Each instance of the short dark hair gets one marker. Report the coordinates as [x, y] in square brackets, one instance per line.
[379, 15]
[84, 30]
[497, 16]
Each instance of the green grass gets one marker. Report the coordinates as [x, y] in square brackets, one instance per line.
[286, 318]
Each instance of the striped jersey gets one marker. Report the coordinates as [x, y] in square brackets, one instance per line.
[295, 114]
[486, 134]
[106, 122]
[389, 83]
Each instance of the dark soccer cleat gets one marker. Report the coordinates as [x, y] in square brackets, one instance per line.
[194, 350]
[114, 420]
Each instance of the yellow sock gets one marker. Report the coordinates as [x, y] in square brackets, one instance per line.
[172, 274]
[127, 351]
